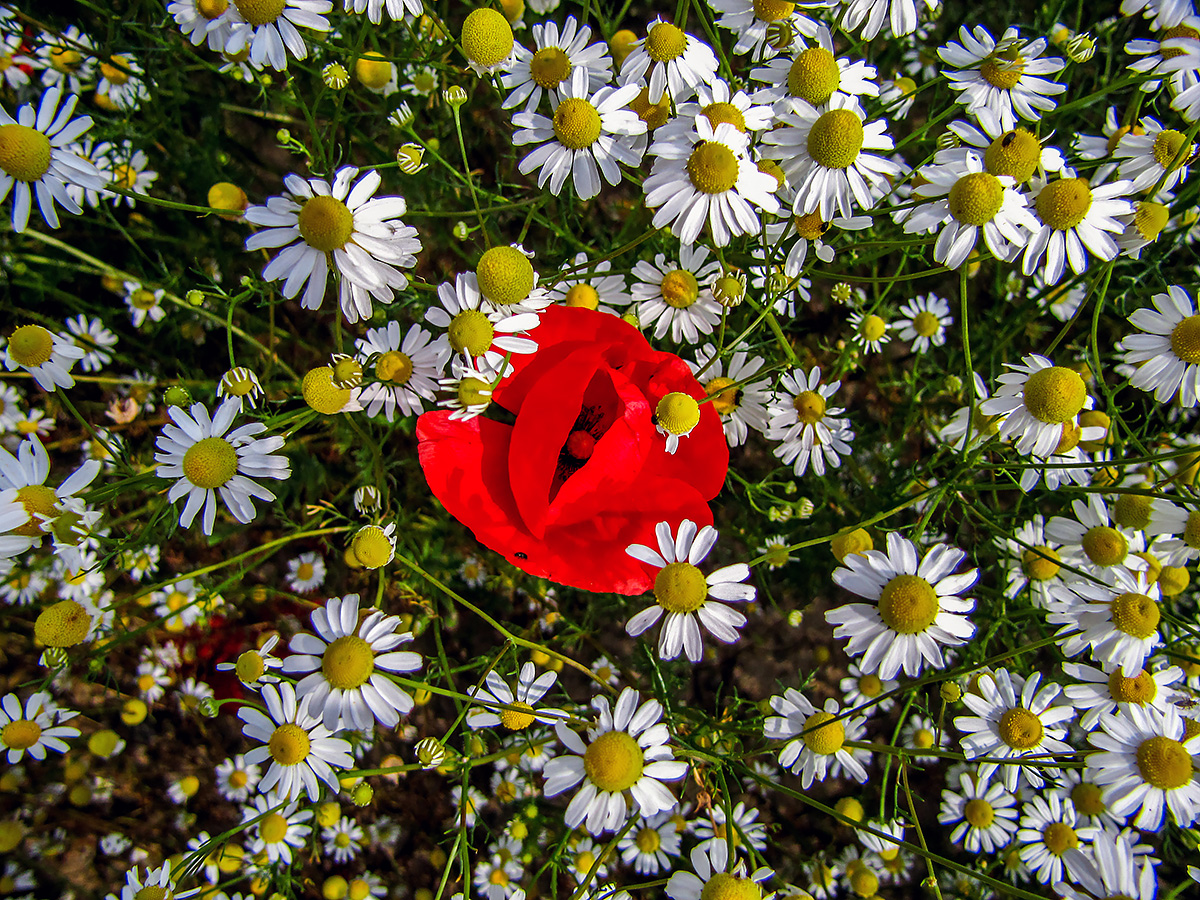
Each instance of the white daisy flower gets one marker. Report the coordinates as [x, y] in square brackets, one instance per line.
[498, 876]
[531, 688]
[476, 336]
[242, 385]
[1108, 868]
[915, 610]
[1157, 52]
[1157, 154]
[900, 16]
[1015, 152]
[676, 62]
[816, 738]
[279, 827]
[301, 749]
[626, 750]
[924, 323]
[799, 415]
[407, 372]
[122, 85]
[1014, 720]
[343, 839]
[590, 289]
[814, 74]
[94, 339]
[870, 331]
[984, 815]
[822, 153]
[34, 728]
[808, 230]
[717, 102]
[764, 27]
[1074, 218]
[47, 356]
[922, 733]
[269, 29]
[471, 390]
[236, 778]
[38, 158]
[203, 21]
[1033, 561]
[678, 297]
[714, 878]
[1095, 540]
[1168, 353]
[706, 174]
[306, 572]
[253, 667]
[67, 59]
[739, 398]
[208, 459]
[1038, 400]
[346, 687]
[683, 591]
[1002, 76]
[864, 689]
[1099, 693]
[1145, 759]
[555, 57]
[589, 134]
[144, 303]
[1118, 624]
[25, 475]
[319, 225]
[650, 844]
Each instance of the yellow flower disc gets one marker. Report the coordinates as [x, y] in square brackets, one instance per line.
[517, 719]
[1055, 394]
[24, 152]
[1164, 763]
[1064, 203]
[321, 394]
[979, 813]
[976, 198]
[260, 12]
[1088, 799]
[712, 167]
[576, 123]
[1059, 837]
[31, 345]
[810, 407]
[470, 332]
[1037, 567]
[1020, 729]
[64, 624]
[1136, 615]
[394, 367]
[21, 734]
[373, 70]
[680, 587]
[1002, 73]
[487, 38]
[505, 274]
[1167, 145]
[814, 76]
[549, 67]
[773, 10]
[326, 223]
[665, 42]
[824, 736]
[583, 296]
[1105, 546]
[210, 463]
[289, 744]
[723, 886]
[908, 604]
[677, 413]
[1185, 340]
[613, 761]
[836, 138]
[1140, 689]
[42, 505]
[372, 547]
[348, 662]
[725, 397]
[680, 289]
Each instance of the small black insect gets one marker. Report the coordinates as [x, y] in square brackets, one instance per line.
[1008, 139]
[520, 555]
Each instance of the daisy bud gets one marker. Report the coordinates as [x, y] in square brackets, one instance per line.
[856, 541]
[134, 711]
[410, 158]
[362, 795]
[347, 371]
[947, 140]
[950, 692]
[283, 136]
[194, 298]
[487, 39]
[461, 231]
[335, 76]
[454, 96]
[729, 289]
[621, 44]
[207, 707]
[374, 547]
[431, 753]
[177, 395]
[850, 808]
[1080, 48]
[226, 195]
[56, 658]
[335, 887]
[366, 499]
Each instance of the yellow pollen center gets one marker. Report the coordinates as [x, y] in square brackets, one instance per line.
[1191, 531]
[810, 407]
[210, 462]
[474, 392]
[212, 9]
[42, 505]
[1002, 73]
[1015, 153]
[1149, 219]
[665, 42]
[373, 70]
[872, 328]
[549, 67]
[712, 167]
[1164, 763]
[304, 571]
[613, 761]
[395, 367]
[1167, 145]
[976, 198]
[576, 123]
[64, 624]
[864, 882]
[250, 667]
[498, 876]
[1185, 340]
[152, 892]
[1069, 439]
[908, 604]
[653, 114]
[773, 10]
[238, 778]
[145, 682]
[979, 813]
[836, 138]
[117, 71]
[1064, 203]
[326, 223]
[677, 413]
[143, 299]
[260, 12]
[517, 719]
[1036, 565]
[1132, 511]
[342, 839]
[289, 744]
[1055, 394]
[1020, 729]
[1088, 799]
[718, 113]
[31, 345]
[583, 296]
[814, 76]
[824, 736]
[1060, 837]
[505, 274]
[273, 828]
[487, 37]
[470, 332]
[1139, 689]
[1136, 615]
[926, 324]
[648, 840]
[723, 886]
[870, 686]
[65, 60]
[348, 663]
[1105, 546]
[725, 397]
[680, 587]
[810, 226]
[1178, 31]
[923, 739]
[24, 152]
[680, 289]
[21, 734]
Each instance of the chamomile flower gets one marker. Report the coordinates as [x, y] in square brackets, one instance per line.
[1109, 868]
[1157, 53]
[1002, 76]
[740, 398]
[706, 174]
[1014, 152]
[473, 334]
[1117, 622]
[144, 303]
[203, 21]
[594, 288]
[984, 815]
[814, 75]
[799, 415]
[122, 83]
[25, 474]
[718, 102]
[407, 372]
[345, 658]
[67, 59]
[343, 839]
[33, 728]
[669, 59]
[1075, 217]
[236, 778]
[531, 688]
[626, 750]
[686, 595]
[555, 57]
[924, 323]
[306, 572]
[1155, 155]
[588, 135]
[242, 385]
[253, 667]
[45, 355]
[269, 29]
[763, 29]
[677, 297]
[870, 331]
[11, 403]
[1038, 400]
[95, 339]
[280, 827]
[340, 225]
[808, 230]
[302, 751]
[822, 152]
[816, 738]
[714, 878]
[915, 610]
[922, 733]
[206, 459]
[1034, 562]
[1098, 693]
[1167, 354]
[1146, 759]
[650, 844]
[471, 390]
[158, 882]
[860, 688]
[1095, 540]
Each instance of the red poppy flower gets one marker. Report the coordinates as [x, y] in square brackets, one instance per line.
[582, 472]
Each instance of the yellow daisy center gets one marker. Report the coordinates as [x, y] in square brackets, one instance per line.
[24, 152]
[1020, 729]
[814, 76]
[260, 12]
[680, 587]
[712, 167]
[117, 71]
[1191, 531]
[238, 778]
[773, 10]
[653, 114]
[1054, 395]
[1167, 145]
[648, 840]
[864, 882]
[470, 332]
[1064, 203]
[872, 328]
[1136, 615]
[718, 113]
[505, 274]
[926, 324]
[1060, 837]
[810, 407]
[976, 198]
[373, 70]
[326, 223]
[583, 296]
[31, 345]
[923, 738]
[1139, 689]
[908, 604]
[1149, 219]
[665, 42]
[1132, 511]
[677, 413]
[152, 892]
[680, 289]
[250, 667]
[289, 744]
[210, 462]
[143, 299]
[549, 67]
[273, 828]
[725, 397]
[321, 394]
[810, 226]
[348, 663]
[824, 736]
[64, 624]
[487, 37]
[723, 886]
[1036, 565]
[1185, 340]
[474, 392]
[517, 719]
[65, 60]
[1104, 545]
[226, 195]
[372, 547]
[1001, 72]
[1164, 763]
[1088, 799]
[1178, 31]
[613, 761]
[979, 813]
[576, 123]
[870, 686]
[41, 503]
[212, 9]
[395, 367]
[836, 138]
